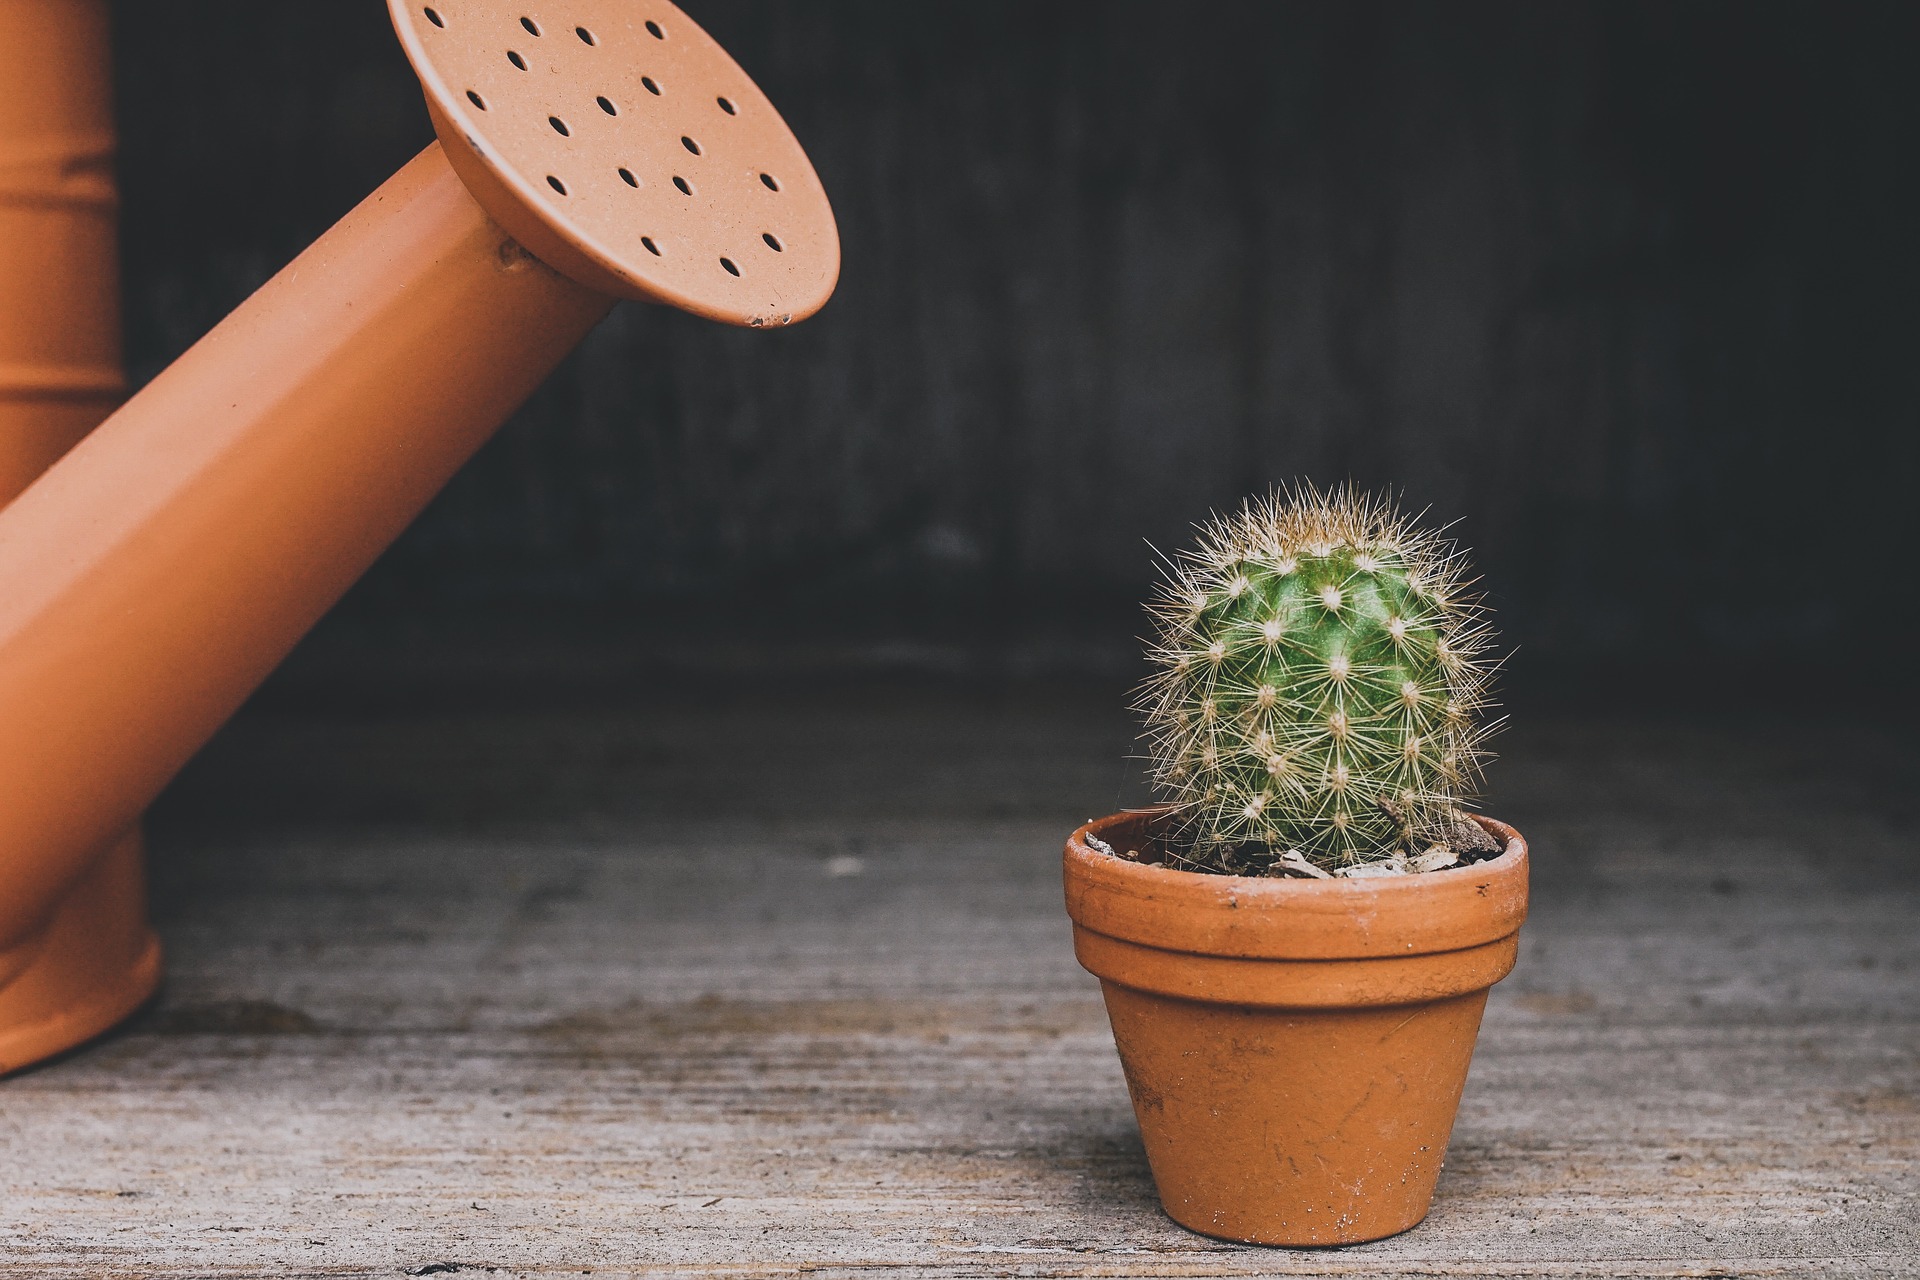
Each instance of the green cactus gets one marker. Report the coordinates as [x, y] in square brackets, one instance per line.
[1319, 673]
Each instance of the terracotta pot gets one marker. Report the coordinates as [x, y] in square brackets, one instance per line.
[1295, 1048]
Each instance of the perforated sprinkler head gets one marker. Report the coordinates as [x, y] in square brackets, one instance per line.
[589, 150]
[620, 144]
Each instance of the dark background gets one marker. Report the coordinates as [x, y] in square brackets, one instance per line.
[1625, 289]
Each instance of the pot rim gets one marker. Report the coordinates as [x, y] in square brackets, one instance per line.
[1260, 917]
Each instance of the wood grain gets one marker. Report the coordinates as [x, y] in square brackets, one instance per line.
[576, 1011]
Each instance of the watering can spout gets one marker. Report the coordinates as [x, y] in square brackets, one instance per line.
[152, 578]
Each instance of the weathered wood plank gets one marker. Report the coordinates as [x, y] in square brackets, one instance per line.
[581, 1012]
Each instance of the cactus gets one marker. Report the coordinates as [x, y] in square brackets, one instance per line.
[1320, 670]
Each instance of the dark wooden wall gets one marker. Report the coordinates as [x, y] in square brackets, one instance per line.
[1628, 289]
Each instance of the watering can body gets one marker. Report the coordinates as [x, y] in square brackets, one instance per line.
[93, 958]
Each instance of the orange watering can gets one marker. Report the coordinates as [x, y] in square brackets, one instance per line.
[60, 374]
[588, 150]
[59, 262]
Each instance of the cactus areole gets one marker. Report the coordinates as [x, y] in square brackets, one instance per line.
[1320, 671]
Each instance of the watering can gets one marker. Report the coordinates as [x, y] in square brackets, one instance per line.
[60, 371]
[587, 151]
[60, 374]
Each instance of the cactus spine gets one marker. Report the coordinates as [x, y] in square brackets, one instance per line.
[1320, 667]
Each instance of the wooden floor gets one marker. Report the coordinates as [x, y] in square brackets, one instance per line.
[785, 987]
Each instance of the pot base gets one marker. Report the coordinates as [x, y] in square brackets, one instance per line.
[96, 961]
[1259, 1143]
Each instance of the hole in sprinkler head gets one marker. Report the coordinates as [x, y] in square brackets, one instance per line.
[652, 248]
[653, 29]
[516, 60]
[533, 28]
[690, 144]
[726, 106]
[556, 184]
[607, 106]
[476, 100]
[626, 176]
[773, 242]
[681, 183]
[560, 126]
[651, 86]
[586, 36]
[771, 184]
[728, 264]
[434, 18]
